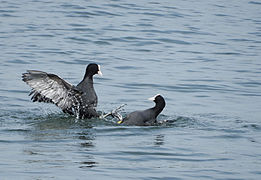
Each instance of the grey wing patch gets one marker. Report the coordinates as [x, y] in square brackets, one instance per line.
[51, 88]
[37, 97]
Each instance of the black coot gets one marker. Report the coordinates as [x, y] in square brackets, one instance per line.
[146, 117]
[80, 100]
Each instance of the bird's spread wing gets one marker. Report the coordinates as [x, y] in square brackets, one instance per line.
[51, 88]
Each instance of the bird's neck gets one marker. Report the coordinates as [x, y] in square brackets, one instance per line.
[88, 80]
[88, 75]
[158, 108]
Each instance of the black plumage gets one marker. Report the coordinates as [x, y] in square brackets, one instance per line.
[146, 117]
[79, 100]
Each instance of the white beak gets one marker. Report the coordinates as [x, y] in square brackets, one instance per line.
[153, 98]
[99, 70]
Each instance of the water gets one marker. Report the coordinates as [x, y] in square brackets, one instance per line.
[203, 57]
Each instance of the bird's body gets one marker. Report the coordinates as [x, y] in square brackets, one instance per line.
[140, 118]
[89, 95]
[89, 98]
[79, 100]
[146, 117]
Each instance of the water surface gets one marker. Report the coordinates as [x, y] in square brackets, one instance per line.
[203, 57]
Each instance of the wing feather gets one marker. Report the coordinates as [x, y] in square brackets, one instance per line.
[51, 88]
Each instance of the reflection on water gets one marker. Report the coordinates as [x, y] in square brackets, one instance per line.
[87, 138]
[159, 140]
[64, 135]
[88, 164]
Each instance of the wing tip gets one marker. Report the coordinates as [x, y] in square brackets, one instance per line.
[25, 77]
[32, 74]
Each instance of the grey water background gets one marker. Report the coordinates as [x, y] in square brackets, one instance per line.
[202, 56]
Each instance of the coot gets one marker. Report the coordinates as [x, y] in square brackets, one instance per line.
[147, 117]
[79, 100]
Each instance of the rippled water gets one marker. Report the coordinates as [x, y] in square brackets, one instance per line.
[202, 56]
